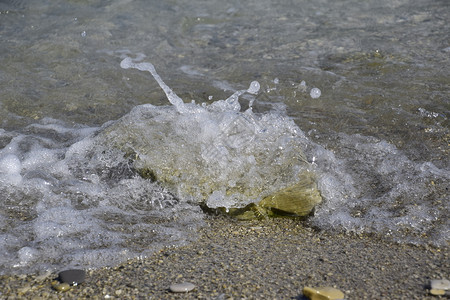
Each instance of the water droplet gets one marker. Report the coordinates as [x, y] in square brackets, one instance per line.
[254, 87]
[315, 93]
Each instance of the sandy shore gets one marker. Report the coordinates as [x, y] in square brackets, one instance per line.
[270, 259]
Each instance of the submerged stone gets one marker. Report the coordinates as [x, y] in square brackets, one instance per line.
[215, 154]
[296, 200]
[279, 182]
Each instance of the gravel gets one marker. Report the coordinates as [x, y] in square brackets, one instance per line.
[269, 259]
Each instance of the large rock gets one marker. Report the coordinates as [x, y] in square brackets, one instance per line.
[215, 154]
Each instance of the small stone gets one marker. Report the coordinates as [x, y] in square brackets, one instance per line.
[73, 277]
[323, 293]
[440, 284]
[181, 287]
[24, 289]
[437, 292]
[61, 287]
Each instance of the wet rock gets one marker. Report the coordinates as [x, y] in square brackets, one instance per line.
[182, 287]
[60, 287]
[296, 200]
[72, 277]
[323, 293]
[223, 157]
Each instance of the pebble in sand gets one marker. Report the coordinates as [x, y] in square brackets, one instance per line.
[181, 287]
[68, 278]
[323, 293]
[60, 286]
[72, 277]
[439, 286]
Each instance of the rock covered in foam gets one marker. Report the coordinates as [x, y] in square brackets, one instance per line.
[217, 154]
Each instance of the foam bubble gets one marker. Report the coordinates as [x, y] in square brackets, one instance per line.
[10, 164]
[253, 88]
[315, 93]
[26, 255]
[10, 168]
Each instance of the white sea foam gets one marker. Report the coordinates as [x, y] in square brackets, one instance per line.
[10, 168]
[73, 198]
[374, 187]
[10, 164]
[62, 209]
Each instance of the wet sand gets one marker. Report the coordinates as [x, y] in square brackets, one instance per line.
[269, 259]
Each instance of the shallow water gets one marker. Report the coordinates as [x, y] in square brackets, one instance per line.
[376, 137]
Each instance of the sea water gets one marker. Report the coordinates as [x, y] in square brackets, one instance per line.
[355, 93]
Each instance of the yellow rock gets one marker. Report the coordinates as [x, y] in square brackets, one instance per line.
[266, 171]
[296, 200]
[437, 292]
[323, 293]
[61, 287]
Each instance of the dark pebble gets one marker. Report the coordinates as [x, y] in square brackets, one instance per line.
[72, 277]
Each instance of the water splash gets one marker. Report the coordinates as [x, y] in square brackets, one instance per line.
[211, 153]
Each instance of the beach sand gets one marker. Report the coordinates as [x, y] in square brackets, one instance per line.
[268, 259]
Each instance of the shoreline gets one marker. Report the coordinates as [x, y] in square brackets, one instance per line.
[268, 259]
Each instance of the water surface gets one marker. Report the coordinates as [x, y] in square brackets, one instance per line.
[377, 138]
